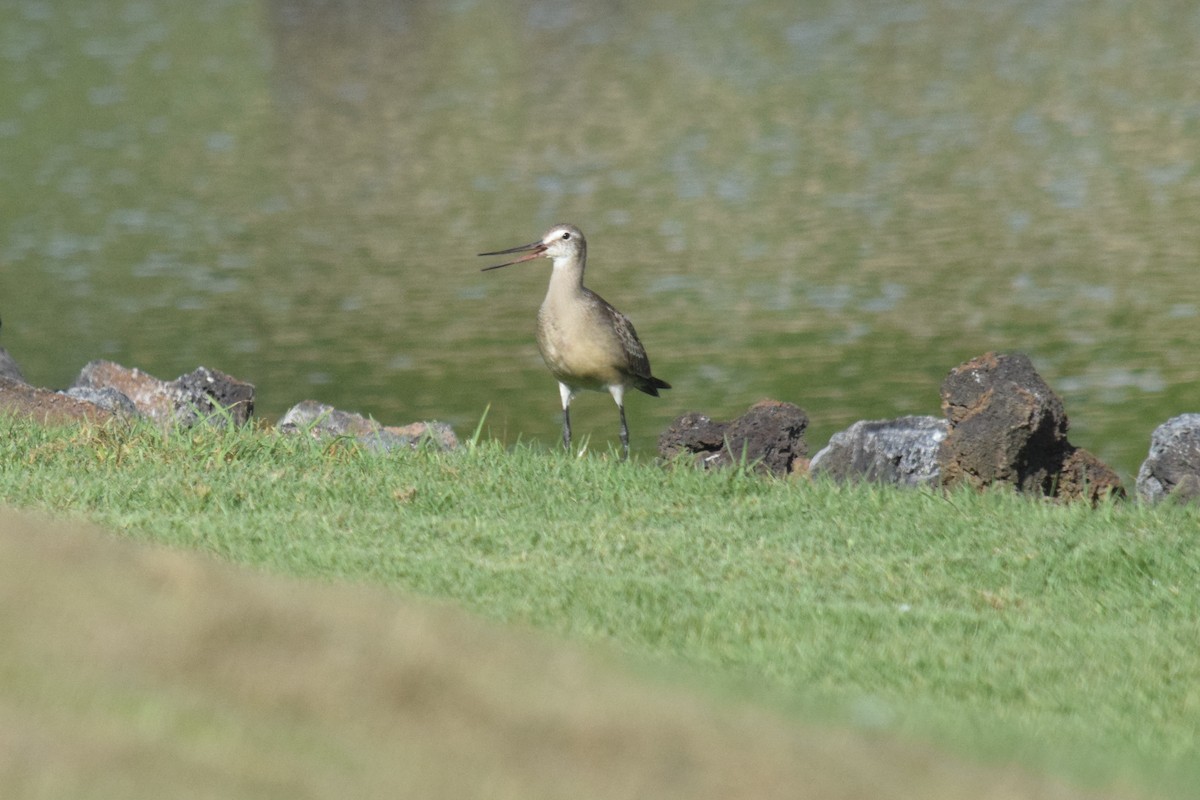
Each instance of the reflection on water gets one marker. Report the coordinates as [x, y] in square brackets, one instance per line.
[832, 204]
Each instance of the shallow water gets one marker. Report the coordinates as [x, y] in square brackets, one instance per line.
[833, 205]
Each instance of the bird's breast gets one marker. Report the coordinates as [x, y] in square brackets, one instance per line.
[577, 347]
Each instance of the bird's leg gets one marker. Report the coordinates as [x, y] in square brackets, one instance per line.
[624, 435]
[618, 396]
[566, 394]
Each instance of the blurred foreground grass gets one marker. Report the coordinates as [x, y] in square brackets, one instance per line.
[1061, 638]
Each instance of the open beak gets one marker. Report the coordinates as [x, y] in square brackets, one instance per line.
[537, 249]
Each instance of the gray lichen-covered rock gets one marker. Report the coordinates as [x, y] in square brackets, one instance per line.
[319, 420]
[203, 395]
[1008, 427]
[901, 452]
[769, 435]
[1172, 469]
[107, 398]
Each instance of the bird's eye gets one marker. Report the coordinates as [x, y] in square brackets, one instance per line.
[566, 235]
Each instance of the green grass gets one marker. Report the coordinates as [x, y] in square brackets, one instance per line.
[1061, 637]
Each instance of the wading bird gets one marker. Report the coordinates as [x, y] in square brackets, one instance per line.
[586, 343]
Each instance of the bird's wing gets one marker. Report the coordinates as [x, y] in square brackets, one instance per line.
[639, 362]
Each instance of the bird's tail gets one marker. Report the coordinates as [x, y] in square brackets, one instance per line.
[651, 385]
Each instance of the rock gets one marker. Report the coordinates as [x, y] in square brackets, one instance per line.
[1007, 427]
[1172, 467]
[319, 420]
[202, 395]
[1187, 490]
[900, 452]
[692, 433]
[107, 398]
[1086, 477]
[9, 369]
[769, 435]
[45, 406]
[148, 394]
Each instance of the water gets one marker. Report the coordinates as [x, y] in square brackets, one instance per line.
[832, 204]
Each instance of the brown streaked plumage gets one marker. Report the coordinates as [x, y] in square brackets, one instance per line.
[586, 343]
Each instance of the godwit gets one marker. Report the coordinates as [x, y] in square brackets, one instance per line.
[586, 343]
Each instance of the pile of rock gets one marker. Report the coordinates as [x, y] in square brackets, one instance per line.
[1002, 425]
[104, 391]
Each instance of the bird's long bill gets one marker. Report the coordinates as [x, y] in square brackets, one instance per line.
[537, 249]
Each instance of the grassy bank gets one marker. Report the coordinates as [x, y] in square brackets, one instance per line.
[1062, 637]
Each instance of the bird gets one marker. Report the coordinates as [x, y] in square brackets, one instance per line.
[585, 342]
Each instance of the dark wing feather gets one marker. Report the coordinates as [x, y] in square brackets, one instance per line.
[637, 362]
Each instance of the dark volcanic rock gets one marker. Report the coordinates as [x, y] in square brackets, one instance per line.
[901, 452]
[770, 435]
[693, 433]
[318, 420]
[1086, 477]
[45, 406]
[203, 395]
[1008, 427]
[1173, 466]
